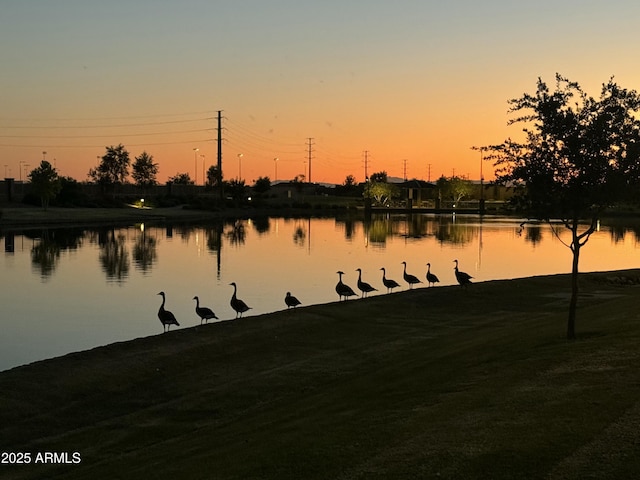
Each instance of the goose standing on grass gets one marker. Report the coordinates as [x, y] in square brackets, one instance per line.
[291, 301]
[343, 290]
[463, 278]
[431, 278]
[166, 317]
[203, 312]
[238, 305]
[410, 279]
[389, 283]
[364, 287]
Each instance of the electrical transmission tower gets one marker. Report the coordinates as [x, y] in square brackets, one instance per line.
[310, 151]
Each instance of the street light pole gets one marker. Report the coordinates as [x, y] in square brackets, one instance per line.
[204, 178]
[275, 161]
[239, 166]
[195, 160]
[481, 149]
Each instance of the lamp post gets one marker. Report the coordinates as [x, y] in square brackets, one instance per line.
[239, 166]
[481, 206]
[275, 161]
[195, 160]
[204, 178]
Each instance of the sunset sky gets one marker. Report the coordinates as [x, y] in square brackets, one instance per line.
[410, 82]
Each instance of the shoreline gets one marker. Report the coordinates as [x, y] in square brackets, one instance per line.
[452, 382]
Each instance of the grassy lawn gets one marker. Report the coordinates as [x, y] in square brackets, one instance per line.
[429, 383]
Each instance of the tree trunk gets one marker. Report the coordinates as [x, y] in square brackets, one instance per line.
[575, 249]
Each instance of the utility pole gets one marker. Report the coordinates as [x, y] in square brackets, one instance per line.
[405, 169]
[219, 172]
[310, 144]
[366, 165]
[429, 173]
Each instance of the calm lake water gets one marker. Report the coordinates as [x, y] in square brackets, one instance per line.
[65, 290]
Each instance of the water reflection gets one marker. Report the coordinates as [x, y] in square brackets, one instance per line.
[619, 228]
[44, 255]
[237, 233]
[145, 250]
[459, 233]
[117, 251]
[262, 225]
[114, 255]
[273, 256]
[45, 251]
[533, 234]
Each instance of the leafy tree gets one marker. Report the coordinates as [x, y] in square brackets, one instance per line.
[379, 177]
[381, 192]
[180, 179]
[580, 155]
[237, 189]
[144, 170]
[212, 176]
[262, 185]
[455, 188]
[113, 168]
[350, 181]
[45, 182]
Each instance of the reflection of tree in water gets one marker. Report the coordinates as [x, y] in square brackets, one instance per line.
[618, 230]
[144, 250]
[262, 225]
[533, 234]
[237, 233]
[416, 226]
[349, 228]
[448, 231]
[299, 235]
[45, 254]
[46, 251]
[379, 229]
[214, 237]
[114, 256]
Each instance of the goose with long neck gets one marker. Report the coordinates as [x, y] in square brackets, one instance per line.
[410, 279]
[204, 313]
[388, 282]
[343, 290]
[166, 317]
[432, 279]
[238, 305]
[463, 278]
[364, 287]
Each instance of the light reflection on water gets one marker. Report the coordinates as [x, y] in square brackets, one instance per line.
[65, 290]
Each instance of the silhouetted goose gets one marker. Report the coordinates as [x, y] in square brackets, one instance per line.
[238, 305]
[291, 301]
[389, 283]
[203, 312]
[166, 317]
[431, 278]
[343, 290]
[410, 279]
[364, 287]
[463, 278]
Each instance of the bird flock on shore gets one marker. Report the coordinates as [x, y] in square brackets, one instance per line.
[343, 290]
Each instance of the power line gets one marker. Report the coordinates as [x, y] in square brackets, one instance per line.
[85, 119]
[122, 125]
[103, 136]
[48, 145]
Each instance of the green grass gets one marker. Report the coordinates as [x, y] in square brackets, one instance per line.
[438, 382]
